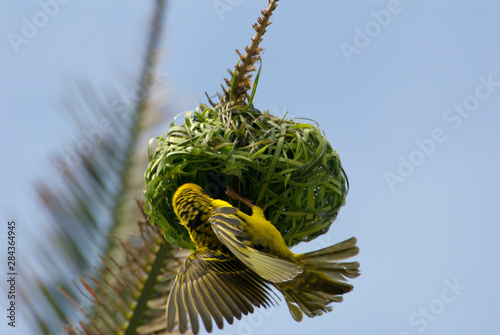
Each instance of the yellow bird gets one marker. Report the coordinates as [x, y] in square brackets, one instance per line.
[239, 257]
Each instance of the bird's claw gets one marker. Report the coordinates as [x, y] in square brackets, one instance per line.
[232, 194]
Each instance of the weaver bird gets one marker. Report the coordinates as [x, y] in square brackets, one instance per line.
[238, 258]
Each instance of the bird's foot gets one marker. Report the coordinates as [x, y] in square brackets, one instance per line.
[232, 194]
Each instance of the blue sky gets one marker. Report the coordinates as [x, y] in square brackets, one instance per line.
[407, 91]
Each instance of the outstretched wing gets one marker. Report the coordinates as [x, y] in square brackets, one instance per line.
[233, 232]
[213, 284]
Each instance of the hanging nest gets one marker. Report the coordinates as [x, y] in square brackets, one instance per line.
[286, 167]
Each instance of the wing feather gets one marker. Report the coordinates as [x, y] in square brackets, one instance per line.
[192, 310]
[201, 306]
[225, 296]
[212, 309]
[172, 307]
[218, 300]
[230, 230]
[180, 305]
[213, 285]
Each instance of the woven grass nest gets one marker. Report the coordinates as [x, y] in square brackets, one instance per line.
[286, 167]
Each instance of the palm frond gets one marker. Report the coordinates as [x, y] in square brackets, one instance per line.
[129, 296]
[95, 197]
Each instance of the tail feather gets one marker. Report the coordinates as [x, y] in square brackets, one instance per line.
[337, 252]
[323, 280]
[337, 271]
[310, 304]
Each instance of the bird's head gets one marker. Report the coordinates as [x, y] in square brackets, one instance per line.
[192, 205]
